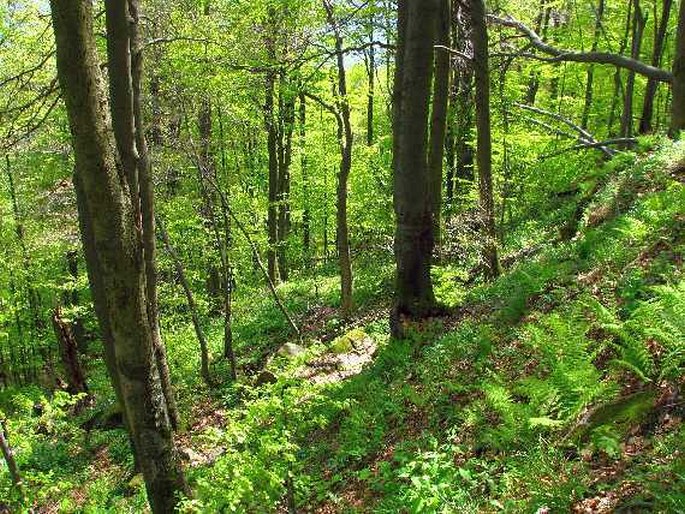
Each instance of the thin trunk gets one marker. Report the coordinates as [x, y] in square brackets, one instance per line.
[541, 24]
[639, 21]
[147, 209]
[441, 88]
[484, 149]
[68, 350]
[413, 183]
[285, 133]
[272, 222]
[109, 210]
[306, 214]
[192, 306]
[345, 143]
[371, 76]
[71, 299]
[589, 84]
[618, 84]
[9, 455]
[658, 51]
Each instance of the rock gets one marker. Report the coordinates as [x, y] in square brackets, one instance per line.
[193, 457]
[266, 377]
[290, 350]
[351, 341]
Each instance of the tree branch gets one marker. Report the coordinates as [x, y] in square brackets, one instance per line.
[559, 55]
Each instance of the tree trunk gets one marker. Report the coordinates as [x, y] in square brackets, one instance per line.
[147, 209]
[371, 75]
[484, 149]
[306, 214]
[658, 51]
[345, 143]
[678, 99]
[68, 349]
[589, 83]
[441, 88]
[414, 239]
[192, 306]
[285, 133]
[71, 299]
[639, 21]
[109, 213]
[9, 455]
[541, 24]
[272, 137]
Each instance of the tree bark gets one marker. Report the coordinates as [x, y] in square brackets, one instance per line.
[272, 222]
[285, 146]
[9, 455]
[414, 238]
[441, 88]
[68, 349]
[345, 144]
[657, 53]
[484, 148]
[112, 237]
[678, 99]
[639, 21]
[306, 214]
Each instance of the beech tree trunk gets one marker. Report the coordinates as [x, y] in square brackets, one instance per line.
[107, 189]
[413, 184]
[657, 53]
[484, 149]
[285, 146]
[678, 99]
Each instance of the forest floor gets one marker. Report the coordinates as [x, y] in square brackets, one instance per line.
[559, 387]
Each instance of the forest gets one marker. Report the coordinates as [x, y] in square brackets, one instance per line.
[338, 256]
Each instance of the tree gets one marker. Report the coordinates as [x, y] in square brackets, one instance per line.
[484, 147]
[678, 100]
[413, 186]
[111, 197]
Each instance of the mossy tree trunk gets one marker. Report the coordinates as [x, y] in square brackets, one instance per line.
[108, 194]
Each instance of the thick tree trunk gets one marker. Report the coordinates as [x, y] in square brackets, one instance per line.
[68, 349]
[441, 88]
[484, 149]
[678, 100]
[414, 239]
[657, 53]
[115, 257]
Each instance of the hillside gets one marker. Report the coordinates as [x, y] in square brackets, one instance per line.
[555, 388]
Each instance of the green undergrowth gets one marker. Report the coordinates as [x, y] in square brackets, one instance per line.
[557, 383]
